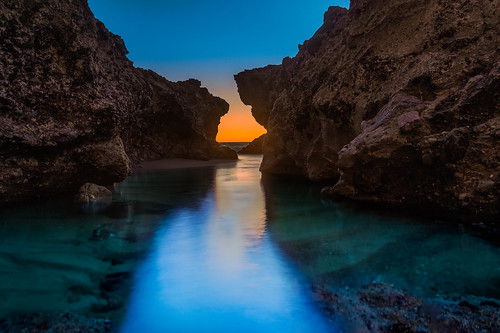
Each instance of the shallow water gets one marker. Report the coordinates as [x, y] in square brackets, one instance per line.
[214, 249]
[344, 245]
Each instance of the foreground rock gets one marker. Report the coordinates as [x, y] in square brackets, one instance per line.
[254, 147]
[74, 109]
[89, 192]
[379, 307]
[55, 323]
[399, 101]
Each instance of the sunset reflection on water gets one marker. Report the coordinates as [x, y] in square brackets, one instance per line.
[213, 267]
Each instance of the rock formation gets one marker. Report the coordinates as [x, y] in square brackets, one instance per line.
[57, 323]
[74, 109]
[379, 307]
[254, 147]
[90, 192]
[397, 102]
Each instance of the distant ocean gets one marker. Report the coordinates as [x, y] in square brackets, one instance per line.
[236, 146]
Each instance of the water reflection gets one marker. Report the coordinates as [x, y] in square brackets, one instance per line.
[214, 269]
[207, 251]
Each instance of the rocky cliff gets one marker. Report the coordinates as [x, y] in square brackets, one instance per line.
[394, 101]
[74, 109]
[254, 147]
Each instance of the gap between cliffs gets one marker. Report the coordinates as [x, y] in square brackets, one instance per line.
[75, 110]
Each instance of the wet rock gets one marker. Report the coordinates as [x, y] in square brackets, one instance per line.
[112, 288]
[55, 323]
[96, 206]
[90, 192]
[254, 147]
[392, 118]
[490, 303]
[468, 305]
[379, 307]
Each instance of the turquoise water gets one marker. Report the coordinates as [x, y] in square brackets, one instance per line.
[345, 245]
[215, 249]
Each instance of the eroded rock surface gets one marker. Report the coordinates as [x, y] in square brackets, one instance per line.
[90, 192]
[56, 323]
[379, 307]
[74, 109]
[399, 101]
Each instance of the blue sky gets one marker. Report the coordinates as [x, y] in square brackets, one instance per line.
[211, 40]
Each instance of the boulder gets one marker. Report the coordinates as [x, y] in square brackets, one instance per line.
[91, 192]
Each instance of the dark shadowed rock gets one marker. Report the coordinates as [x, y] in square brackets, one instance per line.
[254, 147]
[379, 307]
[226, 153]
[74, 109]
[399, 101]
[55, 323]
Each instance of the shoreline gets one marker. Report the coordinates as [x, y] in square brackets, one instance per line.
[178, 163]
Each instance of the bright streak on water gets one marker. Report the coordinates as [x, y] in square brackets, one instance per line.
[213, 268]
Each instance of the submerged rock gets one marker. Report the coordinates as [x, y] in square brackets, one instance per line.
[397, 101]
[379, 307]
[55, 323]
[74, 109]
[254, 147]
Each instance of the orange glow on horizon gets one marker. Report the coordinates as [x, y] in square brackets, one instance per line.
[239, 126]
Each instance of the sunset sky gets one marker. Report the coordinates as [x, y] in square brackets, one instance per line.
[213, 40]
